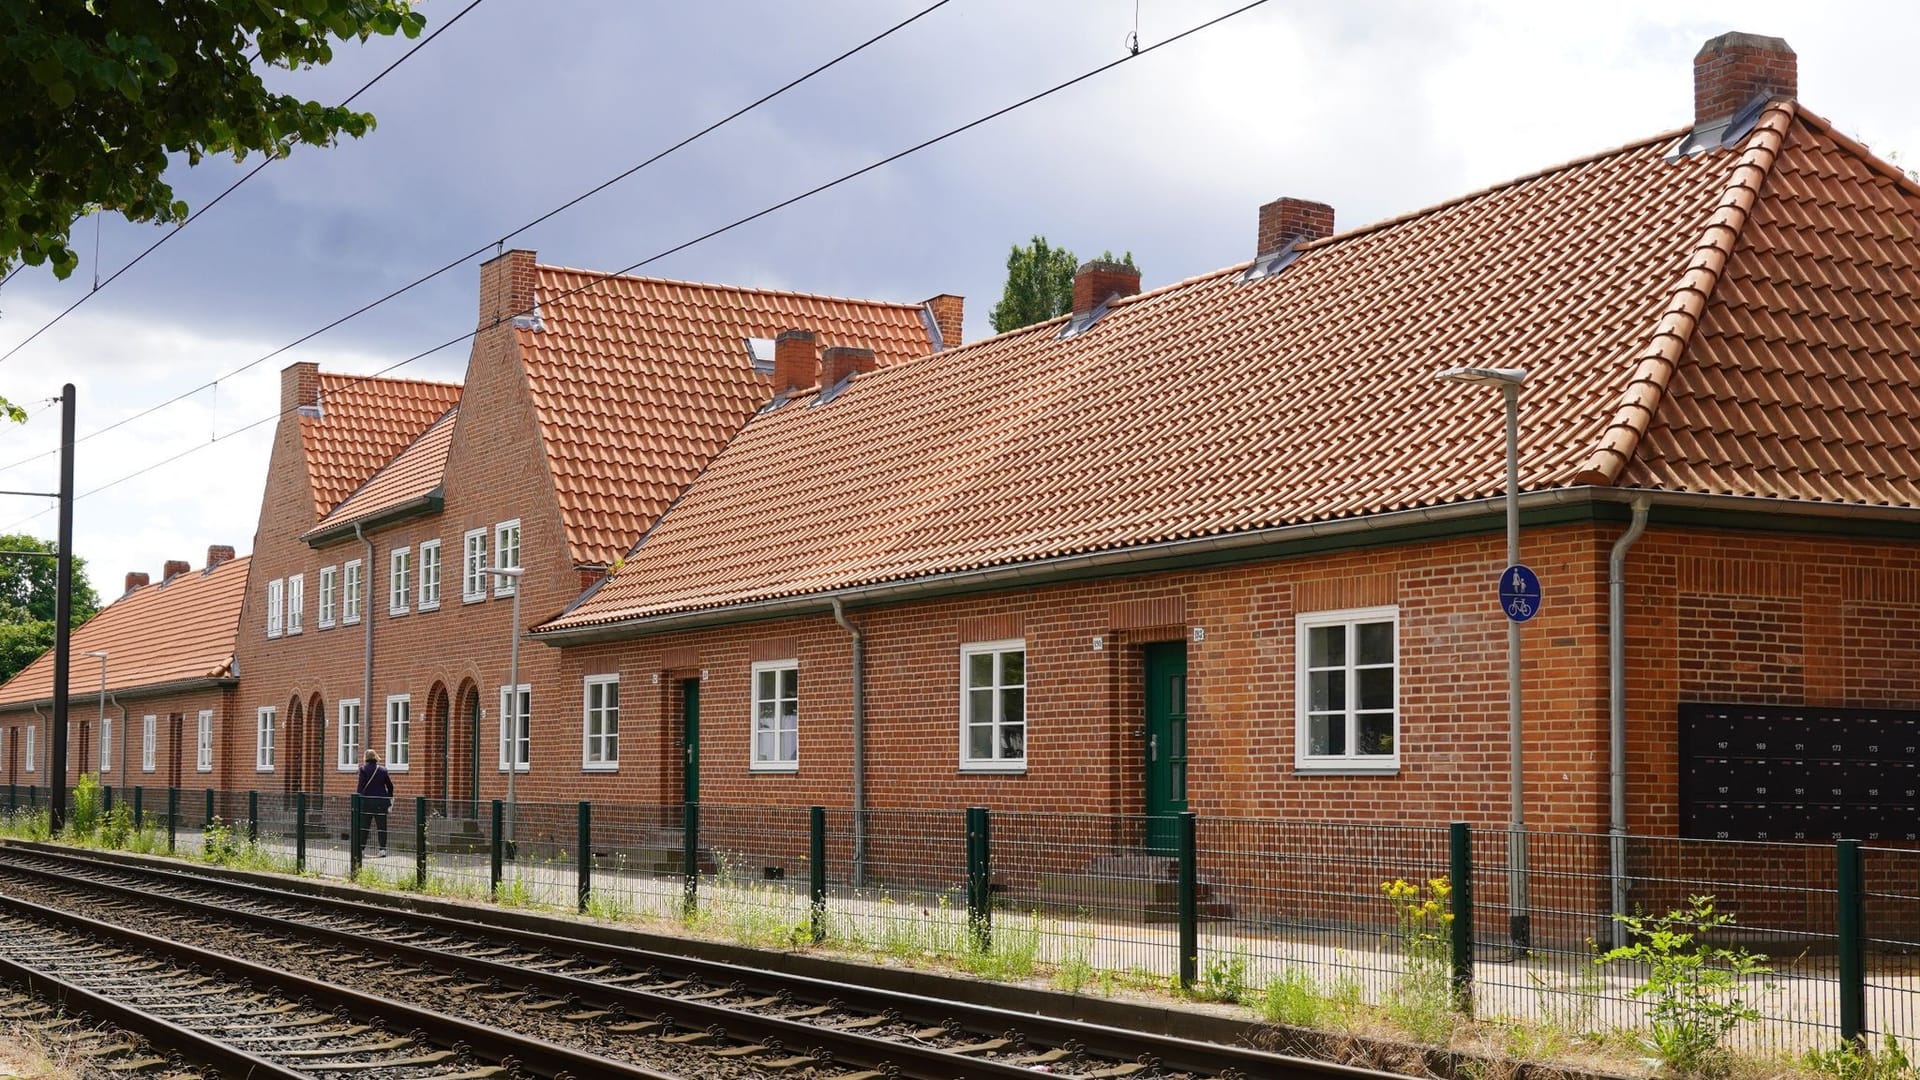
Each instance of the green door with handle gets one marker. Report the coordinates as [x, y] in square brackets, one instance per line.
[690, 741]
[1166, 742]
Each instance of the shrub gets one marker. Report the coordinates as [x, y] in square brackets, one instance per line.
[83, 816]
[1698, 990]
[1293, 999]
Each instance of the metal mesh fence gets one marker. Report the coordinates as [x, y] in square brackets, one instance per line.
[1892, 925]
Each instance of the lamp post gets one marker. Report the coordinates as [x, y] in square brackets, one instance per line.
[102, 724]
[512, 573]
[1519, 919]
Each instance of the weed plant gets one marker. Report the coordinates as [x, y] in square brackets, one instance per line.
[1699, 991]
[1293, 999]
[1850, 1061]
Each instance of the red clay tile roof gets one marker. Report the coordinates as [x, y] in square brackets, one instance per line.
[413, 473]
[638, 382]
[364, 422]
[179, 630]
[1218, 406]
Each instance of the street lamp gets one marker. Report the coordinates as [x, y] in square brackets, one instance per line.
[102, 728]
[1519, 921]
[512, 573]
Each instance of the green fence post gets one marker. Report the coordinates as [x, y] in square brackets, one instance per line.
[33, 796]
[210, 807]
[497, 857]
[1853, 951]
[1189, 900]
[584, 849]
[253, 817]
[299, 832]
[355, 823]
[420, 842]
[817, 869]
[1460, 906]
[106, 799]
[13, 797]
[139, 815]
[690, 858]
[979, 879]
[173, 818]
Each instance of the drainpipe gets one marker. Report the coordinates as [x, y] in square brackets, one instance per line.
[859, 743]
[44, 726]
[1617, 711]
[366, 618]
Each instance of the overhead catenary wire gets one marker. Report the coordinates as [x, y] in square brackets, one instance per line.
[267, 159]
[500, 242]
[601, 278]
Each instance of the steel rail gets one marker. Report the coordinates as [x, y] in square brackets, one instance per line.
[1120, 1044]
[535, 1055]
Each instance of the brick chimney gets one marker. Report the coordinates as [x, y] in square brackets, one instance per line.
[840, 361]
[174, 568]
[1287, 220]
[795, 364]
[217, 554]
[1098, 281]
[135, 580]
[949, 313]
[506, 287]
[1731, 70]
[300, 386]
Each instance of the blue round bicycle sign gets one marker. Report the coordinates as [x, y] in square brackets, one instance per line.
[1519, 593]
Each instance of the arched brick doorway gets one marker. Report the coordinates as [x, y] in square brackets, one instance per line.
[438, 758]
[316, 741]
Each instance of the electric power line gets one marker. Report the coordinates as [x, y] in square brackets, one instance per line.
[269, 158]
[703, 237]
[483, 248]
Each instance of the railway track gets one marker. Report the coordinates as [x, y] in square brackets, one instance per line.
[685, 1015]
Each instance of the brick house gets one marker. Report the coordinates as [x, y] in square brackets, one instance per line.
[589, 402]
[1229, 545]
[166, 650]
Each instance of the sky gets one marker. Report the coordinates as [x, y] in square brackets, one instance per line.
[1379, 107]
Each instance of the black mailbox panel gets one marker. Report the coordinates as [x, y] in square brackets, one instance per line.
[1787, 772]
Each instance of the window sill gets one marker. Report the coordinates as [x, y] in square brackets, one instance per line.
[399, 768]
[392, 614]
[203, 768]
[1345, 769]
[424, 608]
[326, 626]
[601, 766]
[473, 599]
[355, 621]
[774, 767]
[259, 769]
[522, 770]
[1007, 769]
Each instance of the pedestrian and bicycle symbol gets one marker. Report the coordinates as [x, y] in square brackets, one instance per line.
[1519, 593]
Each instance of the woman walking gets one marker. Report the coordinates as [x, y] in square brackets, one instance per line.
[376, 797]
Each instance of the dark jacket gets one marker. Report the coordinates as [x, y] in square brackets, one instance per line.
[375, 788]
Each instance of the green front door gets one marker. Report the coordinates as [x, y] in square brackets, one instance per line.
[690, 740]
[1166, 741]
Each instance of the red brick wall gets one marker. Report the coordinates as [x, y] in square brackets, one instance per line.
[174, 761]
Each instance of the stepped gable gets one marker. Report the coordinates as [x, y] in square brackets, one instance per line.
[361, 422]
[637, 383]
[177, 631]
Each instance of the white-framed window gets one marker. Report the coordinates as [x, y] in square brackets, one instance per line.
[1347, 688]
[296, 603]
[350, 592]
[399, 731]
[149, 732]
[106, 744]
[349, 757]
[203, 755]
[473, 557]
[516, 731]
[776, 716]
[399, 580]
[263, 740]
[276, 598]
[506, 556]
[429, 575]
[601, 723]
[27, 751]
[328, 585]
[993, 706]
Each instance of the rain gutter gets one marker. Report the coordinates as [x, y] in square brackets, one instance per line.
[366, 616]
[430, 503]
[859, 743]
[1617, 712]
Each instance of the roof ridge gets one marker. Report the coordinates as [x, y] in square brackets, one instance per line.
[1866, 153]
[608, 276]
[356, 380]
[1447, 204]
[1653, 369]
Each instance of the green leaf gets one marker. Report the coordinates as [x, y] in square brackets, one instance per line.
[62, 94]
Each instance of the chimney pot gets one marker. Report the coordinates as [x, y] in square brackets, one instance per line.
[174, 568]
[840, 361]
[1731, 70]
[796, 366]
[1098, 281]
[1289, 220]
[135, 580]
[217, 554]
[949, 317]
